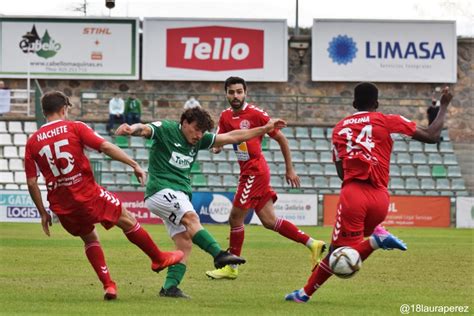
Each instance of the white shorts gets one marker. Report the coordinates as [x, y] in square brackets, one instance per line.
[170, 206]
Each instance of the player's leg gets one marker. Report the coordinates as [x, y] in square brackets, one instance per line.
[267, 216]
[95, 255]
[175, 273]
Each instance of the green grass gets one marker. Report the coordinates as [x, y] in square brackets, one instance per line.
[51, 276]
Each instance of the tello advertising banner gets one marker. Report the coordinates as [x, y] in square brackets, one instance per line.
[300, 209]
[69, 48]
[414, 211]
[134, 202]
[212, 50]
[465, 212]
[17, 206]
[384, 51]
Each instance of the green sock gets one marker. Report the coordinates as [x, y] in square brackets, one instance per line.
[175, 275]
[206, 242]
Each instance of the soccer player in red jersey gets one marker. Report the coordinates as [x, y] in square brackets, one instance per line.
[57, 151]
[254, 190]
[362, 146]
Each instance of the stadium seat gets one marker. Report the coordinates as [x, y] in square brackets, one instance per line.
[442, 184]
[224, 167]
[121, 141]
[205, 155]
[431, 193]
[295, 190]
[435, 159]
[117, 166]
[317, 132]
[419, 158]
[302, 132]
[407, 171]
[458, 184]
[209, 167]
[265, 143]
[13, 186]
[222, 156]
[16, 164]
[101, 129]
[311, 156]
[431, 148]
[19, 139]
[446, 147]
[306, 144]
[415, 146]
[322, 145]
[278, 156]
[450, 159]
[137, 142]
[122, 179]
[427, 184]
[293, 143]
[3, 127]
[297, 156]
[273, 145]
[394, 170]
[334, 182]
[397, 183]
[412, 184]
[4, 164]
[134, 180]
[15, 127]
[107, 178]
[5, 140]
[320, 182]
[268, 156]
[196, 167]
[325, 156]
[329, 133]
[288, 132]
[214, 181]
[403, 158]
[315, 169]
[330, 170]
[445, 135]
[141, 154]
[306, 182]
[454, 171]
[21, 151]
[273, 168]
[301, 169]
[6, 177]
[439, 171]
[423, 171]
[10, 152]
[230, 180]
[198, 180]
[400, 146]
[276, 181]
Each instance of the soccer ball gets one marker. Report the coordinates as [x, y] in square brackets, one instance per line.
[345, 262]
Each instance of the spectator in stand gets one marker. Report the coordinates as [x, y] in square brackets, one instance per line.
[116, 112]
[133, 109]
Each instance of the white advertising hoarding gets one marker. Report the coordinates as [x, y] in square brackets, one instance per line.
[300, 209]
[69, 48]
[465, 212]
[212, 50]
[384, 51]
[17, 206]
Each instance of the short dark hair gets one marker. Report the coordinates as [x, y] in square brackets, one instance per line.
[234, 80]
[366, 95]
[53, 101]
[199, 115]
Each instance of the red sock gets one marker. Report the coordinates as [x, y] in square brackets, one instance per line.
[318, 277]
[142, 239]
[290, 231]
[236, 240]
[96, 257]
[364, 249]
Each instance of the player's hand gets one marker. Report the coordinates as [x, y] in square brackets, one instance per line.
[140, 174]
[293, 179]
[216, 150]
[446, 97]
[124, 129]
[275, 124]
[46, 222]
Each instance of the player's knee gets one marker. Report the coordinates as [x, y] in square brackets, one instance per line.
[268, 223]
[191, 221]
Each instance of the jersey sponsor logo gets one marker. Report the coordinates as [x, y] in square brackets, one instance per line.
[215, 48]
[181, 161]
[241, 151]
[244, 124]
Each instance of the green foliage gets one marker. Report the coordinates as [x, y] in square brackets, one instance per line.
[51, 276]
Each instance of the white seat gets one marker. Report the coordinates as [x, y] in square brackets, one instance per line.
[21, 151]
[4, 164]
[20, 177]
[10, 152]
[11, 186]
[16, 164]
[3, 127]
[6, 177]
[30, 127]
[19, 139]
[15, 127]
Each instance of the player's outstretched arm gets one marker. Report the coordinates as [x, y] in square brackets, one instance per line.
[242, 135]
[116, 153]
[35, 194]
[138, 129]
[432, 133]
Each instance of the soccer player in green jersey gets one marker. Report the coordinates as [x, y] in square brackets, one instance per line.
[168, 190]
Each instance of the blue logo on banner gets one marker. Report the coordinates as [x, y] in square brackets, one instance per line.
[214, 207]
[342, 49]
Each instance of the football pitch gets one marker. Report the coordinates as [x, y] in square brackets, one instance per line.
[51, 276]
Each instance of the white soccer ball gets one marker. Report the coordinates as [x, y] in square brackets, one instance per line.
[345, 262]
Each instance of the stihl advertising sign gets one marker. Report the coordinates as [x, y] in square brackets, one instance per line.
[214, 49]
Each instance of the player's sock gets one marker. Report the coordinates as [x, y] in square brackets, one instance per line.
[290, 231]
[175, 275]
[206, 242]
[140, 237]
[318, 277]
[97, 259]
[236, 239]
[365, 249]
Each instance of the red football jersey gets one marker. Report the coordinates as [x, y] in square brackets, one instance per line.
[249, 153]
[364, 144]
[57, 151]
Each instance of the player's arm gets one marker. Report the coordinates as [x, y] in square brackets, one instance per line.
[216, 150]
[116, 153]
[432, 133]
[290, 175]
[242, 135]
[137, 129]
[35, 194]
